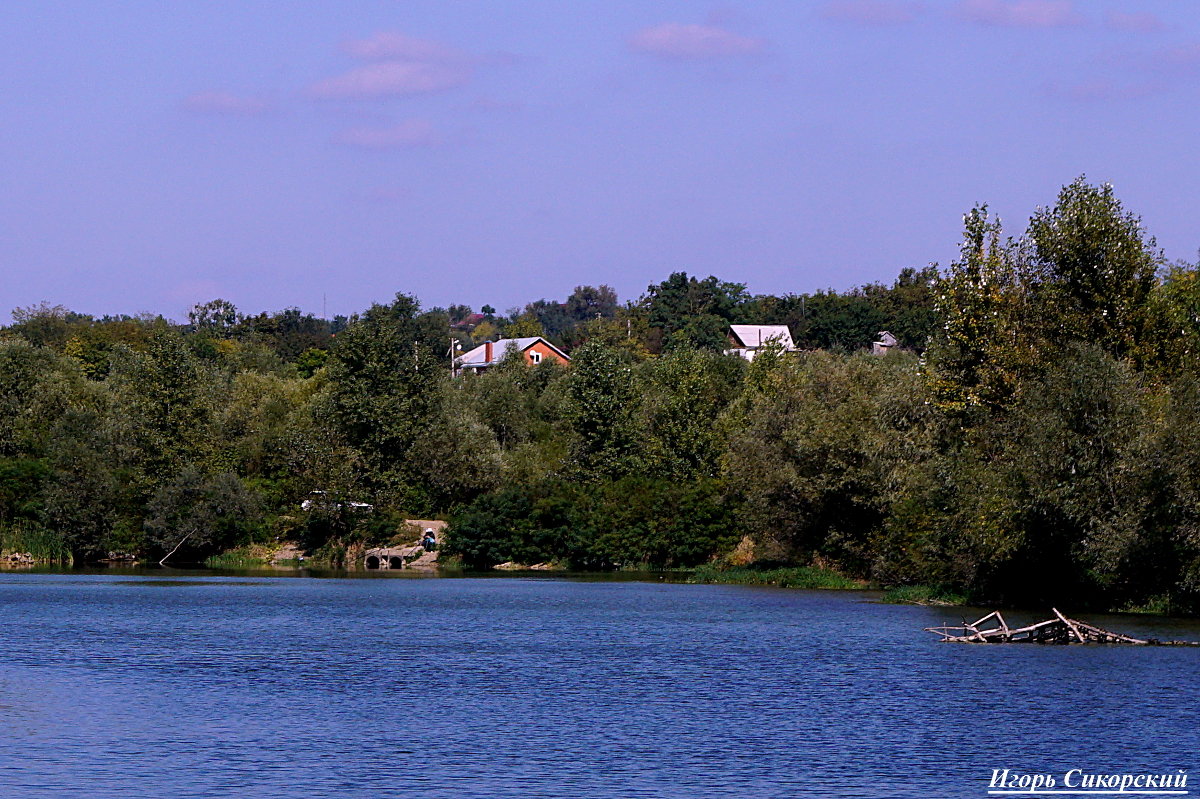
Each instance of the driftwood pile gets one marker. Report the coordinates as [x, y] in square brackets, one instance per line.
[1059, 630]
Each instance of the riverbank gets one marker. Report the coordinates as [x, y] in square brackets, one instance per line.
[792, 577]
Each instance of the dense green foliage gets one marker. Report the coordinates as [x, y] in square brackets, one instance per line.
[1036, 438]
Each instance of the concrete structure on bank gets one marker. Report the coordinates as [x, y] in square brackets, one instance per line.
[409, 556]
[390, 557]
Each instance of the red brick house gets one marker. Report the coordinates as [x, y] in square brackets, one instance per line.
[533, 349]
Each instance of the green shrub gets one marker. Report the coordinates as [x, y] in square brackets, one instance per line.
[922, 595]
[783, 577]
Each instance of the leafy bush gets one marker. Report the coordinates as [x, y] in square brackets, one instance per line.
[195, 517]
[631, 522]
[528, 524]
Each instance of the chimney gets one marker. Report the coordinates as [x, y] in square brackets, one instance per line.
[487, 352]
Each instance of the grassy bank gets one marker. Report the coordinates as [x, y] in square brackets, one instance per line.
[783, 577]
[1156, 606]
[922, 595]
[817, 577]
[250, 556]
[240, 558]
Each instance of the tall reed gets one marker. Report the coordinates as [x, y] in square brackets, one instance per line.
[30, 538]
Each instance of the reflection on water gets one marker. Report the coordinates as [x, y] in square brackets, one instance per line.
[120, 684]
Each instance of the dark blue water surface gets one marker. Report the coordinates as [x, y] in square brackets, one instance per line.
[207, 686]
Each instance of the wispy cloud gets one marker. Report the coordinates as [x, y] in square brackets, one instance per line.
[1180, 57]
[218, 102]
[399, 65]
[676, 40]
[872, 12]
[392, 79]
[1134, 22]
[1103, 90]
[410, 133]
[390, 45]
[1123, 74]
[1021, 13]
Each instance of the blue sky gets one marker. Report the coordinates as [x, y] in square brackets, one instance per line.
[156, 155]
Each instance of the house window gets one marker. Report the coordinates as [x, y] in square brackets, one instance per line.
[535, 357]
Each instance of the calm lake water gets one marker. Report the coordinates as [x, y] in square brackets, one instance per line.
[205, 686]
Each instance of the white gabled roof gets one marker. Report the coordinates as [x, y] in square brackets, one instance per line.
[757, 335]
[478, 356]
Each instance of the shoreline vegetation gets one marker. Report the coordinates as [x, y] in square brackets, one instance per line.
[810, 577]
[1031, 439]
[264, 559]
[25, 544]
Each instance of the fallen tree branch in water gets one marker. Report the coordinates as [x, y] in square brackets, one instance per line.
[1059, 630]
[163, 562]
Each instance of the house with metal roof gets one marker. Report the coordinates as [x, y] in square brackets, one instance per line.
[532, 349]
[746, 341]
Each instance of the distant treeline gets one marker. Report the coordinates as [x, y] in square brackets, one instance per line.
[1037, 437]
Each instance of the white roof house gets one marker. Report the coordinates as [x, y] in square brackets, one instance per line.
[489, 353]
[746, 340]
